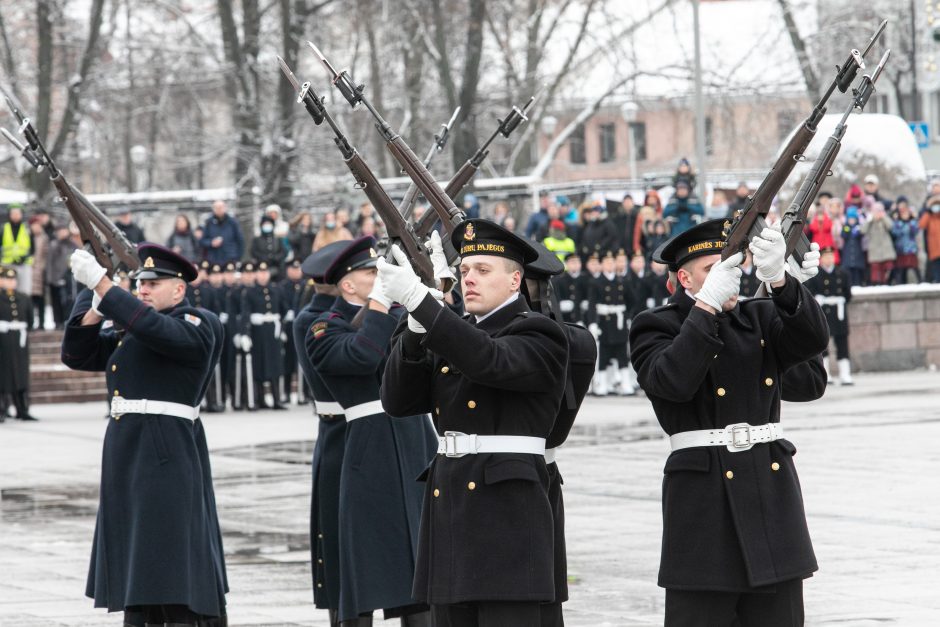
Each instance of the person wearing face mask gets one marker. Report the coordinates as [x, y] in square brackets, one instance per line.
[330, 231]
[929, 223]
[269, 248]
[736, 547]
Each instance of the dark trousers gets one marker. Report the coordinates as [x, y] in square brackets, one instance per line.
[933, 270]
[551, 615]
[39, 312]
[780, 606]
[488, 614]
[60, 299]
[145, 615]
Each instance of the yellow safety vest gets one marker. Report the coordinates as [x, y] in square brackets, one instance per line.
[15, 250]
[560, 247]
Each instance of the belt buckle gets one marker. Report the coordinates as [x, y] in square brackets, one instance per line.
[740, 437]
[117, 404]
[450, 444]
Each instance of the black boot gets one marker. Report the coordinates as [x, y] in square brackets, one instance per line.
[22, 406]
[421, 619]
[275, 394]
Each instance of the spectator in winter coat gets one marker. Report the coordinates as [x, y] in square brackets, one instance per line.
[881, 253]
[126, 224]
[269, 248]
[599, 235]
[740, 199]
[819, 229]
[853, 254]
[836, 211]
[38, 286]
[183, 242]
[302, 234]
[471, 206]
[330, 231]
[59, 277]
[653, 200]
[222, 236]
[930, 224]
[871, 189]
[682, 211]
[854, 196]
[905, 232]
[684, 174]
[539, 219]
[657, 233]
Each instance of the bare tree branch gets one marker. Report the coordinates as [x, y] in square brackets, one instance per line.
[799, 46]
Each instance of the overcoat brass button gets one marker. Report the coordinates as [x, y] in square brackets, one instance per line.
[319, 585]
[775, 466]
[729, 474]
[113, 367]
[768, 382]
[320, 560]
[445, 370]
[471, 404]
[720, 391]
[471, 486]
[437, 493]
[437, 410]
[116, 393]
[762, 343]
[120, 342]
[320, 536]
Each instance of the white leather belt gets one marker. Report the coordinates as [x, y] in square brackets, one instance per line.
[325, 408]
[612, 310]
[566, 305]
[838, 301]
[223, 317]
[121, 406]
[456, 444]
[550, 455]
[737, 437]
[365, 409]
[9, 326]
[258, 319]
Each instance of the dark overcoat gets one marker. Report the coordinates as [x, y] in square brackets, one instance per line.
[157, 538]
[486, 528]
[291, 293]
[572, 295]
[14, 344]
[610, 292]
[326, 468]
[379, 500]
[731, 520]
[834, 283]
[640, 291]
[267, 355]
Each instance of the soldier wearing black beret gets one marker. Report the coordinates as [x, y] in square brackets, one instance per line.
[157, 552]
[379, 501]
[833, 291]
[494, 384]
[735, 542]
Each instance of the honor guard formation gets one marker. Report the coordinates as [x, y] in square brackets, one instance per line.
[445, 357]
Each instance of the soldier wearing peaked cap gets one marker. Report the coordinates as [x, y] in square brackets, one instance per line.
[735, 542]
[582, 357]
[833, 291]
[16, 315]
[608, 317]
[379, 500]
[292, 290]
[262, 311]
[494, 383]
[157, 552]
[331, 437]
[571, 288]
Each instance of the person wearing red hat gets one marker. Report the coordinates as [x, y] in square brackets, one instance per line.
[558, 240]
[157, 552]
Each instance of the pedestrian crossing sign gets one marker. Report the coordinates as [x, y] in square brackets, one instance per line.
[921, 132]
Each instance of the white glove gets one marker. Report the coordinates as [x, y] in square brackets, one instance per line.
[85, 268]
[399, 281]
[283, 337]
[378, 292]
[442, 272]
[809, 267]
[237, 341]
[246, 343]
[95, 301]
[722, 283]
[415, 326]
[566, 306]
[769, 249]
[595, 330]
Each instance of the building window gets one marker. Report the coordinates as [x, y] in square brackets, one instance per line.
[608, 143]
[638, 137]
[576, 145]
[709, 137]
[786, 121]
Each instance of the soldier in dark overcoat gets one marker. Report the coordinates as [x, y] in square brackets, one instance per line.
[157, 553]
[571, 287]
[609, 304]
[261, 319]
[379, 500]
[292, 289]
[16, 315]
[832, 289]
[228, 303]
[199, 292]
[582, 358]
[212, 297]
[494, 384]
[735, 542]
[331, 436]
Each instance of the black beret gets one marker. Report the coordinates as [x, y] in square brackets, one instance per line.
[483, 237]
[702, 239]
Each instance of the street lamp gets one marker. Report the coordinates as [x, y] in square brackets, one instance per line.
[139, 159]
[549, 124]
[629, 110]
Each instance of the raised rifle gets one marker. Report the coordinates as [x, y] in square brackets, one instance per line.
[460, 179]
[750, 221]
[793, 219]
[446, 210]
[399, 231]
[99, 235]
[406, 207]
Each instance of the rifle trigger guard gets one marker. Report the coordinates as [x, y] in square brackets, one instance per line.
[799, 158]
[360, 185]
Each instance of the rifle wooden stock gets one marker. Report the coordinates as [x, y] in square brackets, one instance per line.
[397, 228]
[446, 210]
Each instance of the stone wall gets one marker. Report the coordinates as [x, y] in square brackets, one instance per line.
[894, 328]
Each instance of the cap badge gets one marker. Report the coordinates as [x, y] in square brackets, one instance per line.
[469, 234]
[148, 263]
